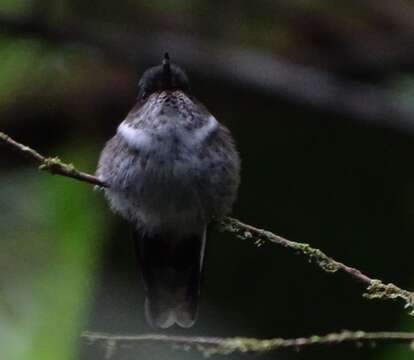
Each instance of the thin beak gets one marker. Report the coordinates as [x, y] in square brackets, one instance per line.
[166, 70]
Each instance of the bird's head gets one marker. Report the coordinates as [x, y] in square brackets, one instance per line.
[164, 77]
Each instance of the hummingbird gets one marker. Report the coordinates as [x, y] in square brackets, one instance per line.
[171, 169]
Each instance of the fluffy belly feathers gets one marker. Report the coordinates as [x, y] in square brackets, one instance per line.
[158, 180]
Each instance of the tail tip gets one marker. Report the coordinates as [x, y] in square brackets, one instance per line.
[168, 317]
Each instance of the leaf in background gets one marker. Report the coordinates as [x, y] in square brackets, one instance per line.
[16, 62]
[51, 230]
[15, 7]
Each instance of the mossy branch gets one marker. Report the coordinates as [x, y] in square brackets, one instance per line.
[225, 346]
[51, 164]
[375, 289]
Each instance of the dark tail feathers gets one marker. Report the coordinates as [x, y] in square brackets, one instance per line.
[172, 272]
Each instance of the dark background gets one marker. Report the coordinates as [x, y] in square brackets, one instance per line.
[318, 95]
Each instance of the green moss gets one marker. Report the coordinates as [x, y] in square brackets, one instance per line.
[379, 290]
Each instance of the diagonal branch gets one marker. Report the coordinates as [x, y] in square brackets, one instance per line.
[224, 346]
[51, 164]
[375, 289]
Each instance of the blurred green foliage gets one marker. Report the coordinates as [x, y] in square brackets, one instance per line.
[15, 6]
[16, 63]
[47, 261]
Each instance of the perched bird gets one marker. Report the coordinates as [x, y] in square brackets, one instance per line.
[171, 169]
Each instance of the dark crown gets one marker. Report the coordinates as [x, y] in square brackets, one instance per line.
[163, 77]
